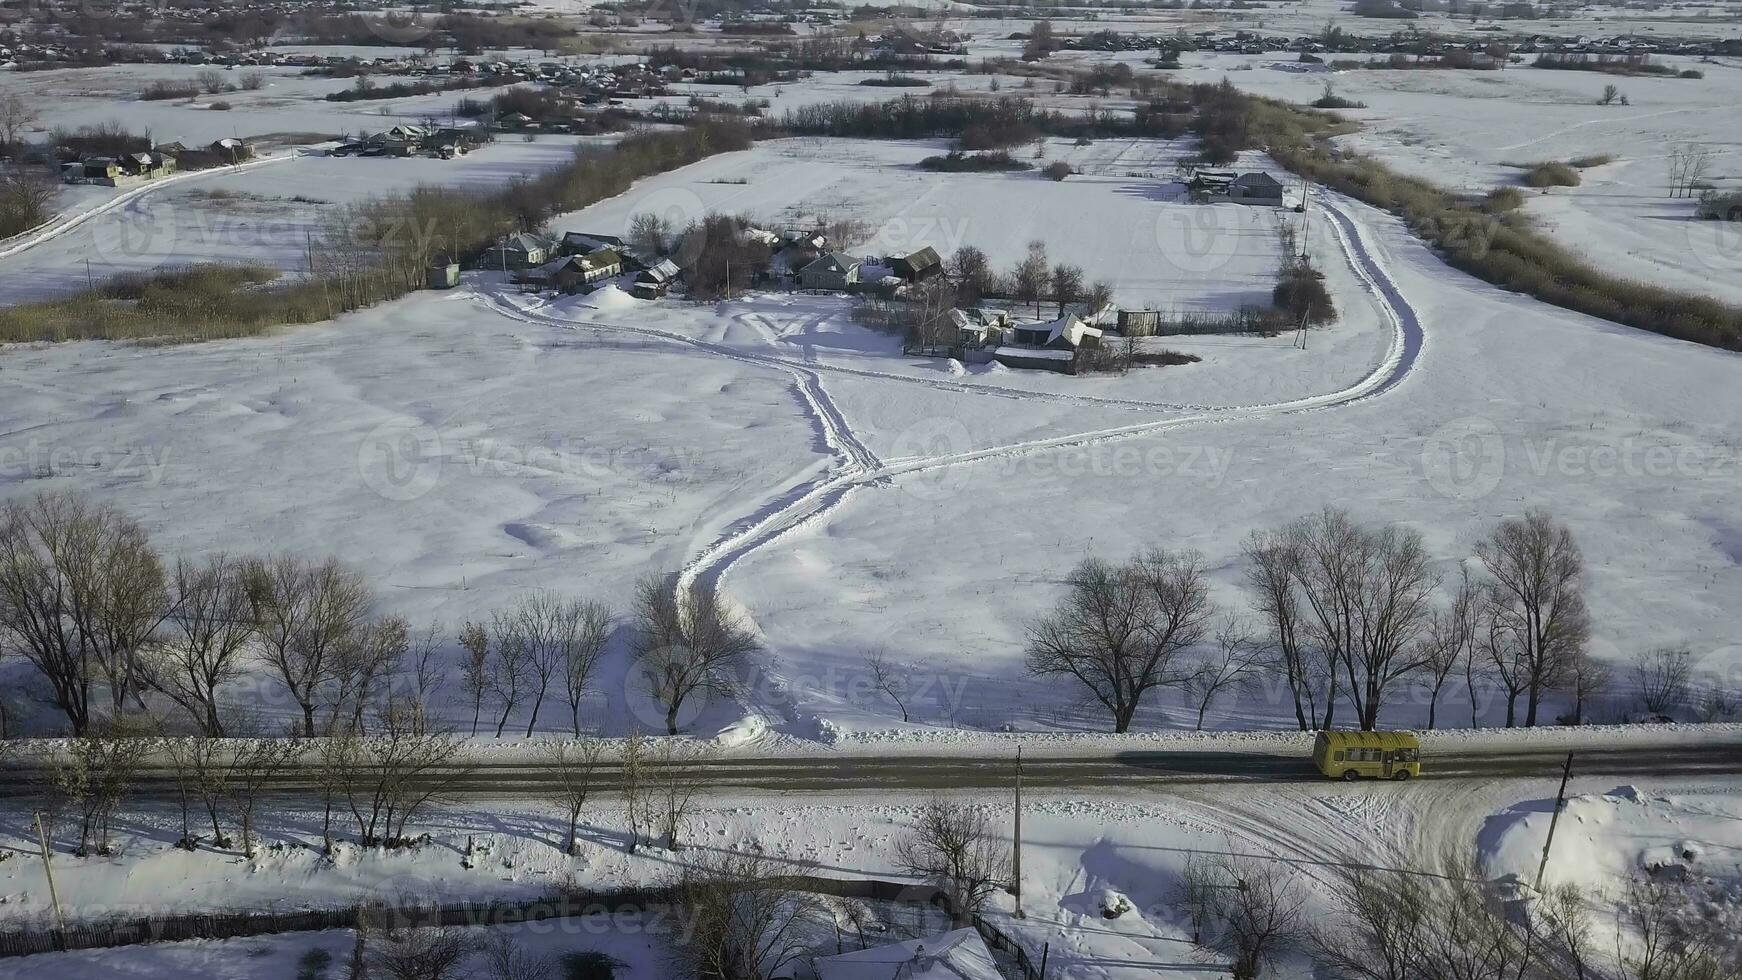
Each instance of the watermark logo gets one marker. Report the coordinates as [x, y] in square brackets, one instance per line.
[1195, 240]
[931, 439]
[139, 230]
[1464, 459]
[400, 460]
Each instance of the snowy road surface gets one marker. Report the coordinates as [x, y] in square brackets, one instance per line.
[1124, 772]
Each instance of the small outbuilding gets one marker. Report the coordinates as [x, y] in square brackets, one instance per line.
[958, 955]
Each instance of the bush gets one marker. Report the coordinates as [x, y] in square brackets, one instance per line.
[958, 162]
[163, 90]
[1691, 73]
[1551, 174]
[588, 964]
[1300, 292]
[1058, 170]
[1595, 160]
[1502, 199]
[220, 106]
[893, 80]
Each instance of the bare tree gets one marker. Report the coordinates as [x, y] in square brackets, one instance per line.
[1537, 595]
[1586, 678]
[1662, 676]
[1227, 669]
[475, 667]
[679, 770]
[306, 615]
[427, 676]
[888, 679]
[81, 592]
[744, 923]
[687, 642]
[1688, 165]
[650, 232]
[1449, 641]
[1505, 660]
[1659, 935]
[549, 628]
[511, 667]
[93, 779]
[1329, 564]
[1404, 925]
[1197, 894]
[370, 655]
[393, 776]
[1259, 910]
[1030, 278]
[16, 116]
[594, 624]
[574, 763]
[953, 845]
[506, 959]
[1098, 296]
[425, 953]
[212, 626]
[253, 767]
[1120, 629]
[972, 273]
[199, 776]
[1067, 285]
[1271, 560]
[632, 765]
[1568, 917]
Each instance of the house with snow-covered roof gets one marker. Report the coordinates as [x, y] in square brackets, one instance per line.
[958, 955]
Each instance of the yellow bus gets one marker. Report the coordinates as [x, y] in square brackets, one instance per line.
[1374, 755]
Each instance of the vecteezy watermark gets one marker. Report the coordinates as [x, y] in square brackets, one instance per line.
[1464, 459]
[1467, 458]
[924, 446]
[403, 459]
[38, 460]
[1195, 240]
[1208, 465]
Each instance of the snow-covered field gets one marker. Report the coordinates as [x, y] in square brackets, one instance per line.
[270, 211]
[1121, 221]
[462, 448]
[1466, 130]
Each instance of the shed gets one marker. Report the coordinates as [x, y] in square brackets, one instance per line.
[835, 272]
[917, 266]
[442, 275]
[1256, 187]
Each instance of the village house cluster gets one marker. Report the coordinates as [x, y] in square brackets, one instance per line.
[142, 166]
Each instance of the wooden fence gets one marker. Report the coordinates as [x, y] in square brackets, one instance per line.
[235, 925]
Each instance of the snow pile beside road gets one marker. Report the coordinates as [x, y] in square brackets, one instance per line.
[1604, 839]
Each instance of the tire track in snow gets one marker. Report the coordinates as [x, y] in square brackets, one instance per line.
[809, 503]
[852, 456]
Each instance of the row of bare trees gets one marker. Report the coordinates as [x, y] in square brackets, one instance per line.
[541, 642]
[1346, 613]
[89, 603]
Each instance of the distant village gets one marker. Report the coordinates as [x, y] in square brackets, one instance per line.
[803, 260]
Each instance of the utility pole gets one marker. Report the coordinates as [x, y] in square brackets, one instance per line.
[1016, 853]
[1560, 801]
[47, 869]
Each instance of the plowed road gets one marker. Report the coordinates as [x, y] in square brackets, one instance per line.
[1123, 772]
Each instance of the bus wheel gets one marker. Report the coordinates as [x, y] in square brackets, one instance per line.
[1350, 775]
[1400, 775]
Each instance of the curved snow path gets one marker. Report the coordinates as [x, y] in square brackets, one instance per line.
[857, 467]
[56, 229]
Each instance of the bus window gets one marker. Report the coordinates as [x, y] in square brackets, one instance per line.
[1339, 757]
